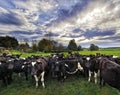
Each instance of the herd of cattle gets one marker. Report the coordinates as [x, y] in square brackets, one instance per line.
[106, 68]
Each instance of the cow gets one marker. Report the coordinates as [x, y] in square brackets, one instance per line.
[38, 69]
[19, 66]
[109, 73]
[74, 65]
[5, 73]
[58, 70]
[91, 67]
[62, 66]
[57, 66]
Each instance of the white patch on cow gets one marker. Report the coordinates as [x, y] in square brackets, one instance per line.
[33, 63]
[90, 73]
[38, 60]
[42, 79]
[54, 56]
[23, 66]
[66, 65]
[57, 62]
[24, 58]
[95, 76]
[115, 56]
[36, 80]
[65, 77]
[10, 60]
[17, 59]
[80, 67]
[88, 58]
[0, 63]
[24, 62]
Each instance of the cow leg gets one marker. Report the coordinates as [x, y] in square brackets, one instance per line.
[95, 76]
[9, 77]
[101, 80]
[36, 80]
[90, 73]
[26, 75]
[42, 79]
[4, 81]
[19, 74]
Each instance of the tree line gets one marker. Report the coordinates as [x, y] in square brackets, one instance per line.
[43, 45]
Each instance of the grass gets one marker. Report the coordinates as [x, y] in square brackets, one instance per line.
[115, 52]
[72, 86]
[108, 52]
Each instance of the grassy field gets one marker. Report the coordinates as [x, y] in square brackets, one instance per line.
[115, 52]
[73, 85]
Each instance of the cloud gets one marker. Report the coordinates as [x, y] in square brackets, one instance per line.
[98, 33]
[9, 18]
[86, 21]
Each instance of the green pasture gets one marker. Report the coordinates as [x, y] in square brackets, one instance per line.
[73, 85]
[115, 52]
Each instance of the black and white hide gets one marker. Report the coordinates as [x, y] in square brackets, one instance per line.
[38, 69]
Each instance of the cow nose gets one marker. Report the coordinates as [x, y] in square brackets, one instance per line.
[57, 68]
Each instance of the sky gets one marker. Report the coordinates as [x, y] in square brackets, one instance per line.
[86, 21]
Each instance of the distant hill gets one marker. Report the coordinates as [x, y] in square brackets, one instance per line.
[111, 48]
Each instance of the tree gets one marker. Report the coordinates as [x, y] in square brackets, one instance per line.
[60, 47]
[8, 42]
[45, 45]
[34, 46]
[79, 48]
[72, 45]
[24, 47]
[93, 47]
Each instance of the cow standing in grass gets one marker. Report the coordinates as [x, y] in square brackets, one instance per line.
[109, 73]
[5, 72]
[38, 69]
[91, 67]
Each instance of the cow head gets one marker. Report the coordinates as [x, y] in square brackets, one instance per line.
[35, 67]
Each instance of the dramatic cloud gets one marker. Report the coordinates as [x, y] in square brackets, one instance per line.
[9, 19]
[86, 21]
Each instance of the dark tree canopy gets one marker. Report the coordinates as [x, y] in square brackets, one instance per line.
[44, 45]
[72, 45]
[93, 47]
[24, 47]
[79, 48]
[34, 47]
[8, 42]
[49, 45]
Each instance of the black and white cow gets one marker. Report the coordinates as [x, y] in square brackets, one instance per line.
[61, 66]
[57, 67]
[38, 70]
[73, 66]
[19, 66]
[92, 67]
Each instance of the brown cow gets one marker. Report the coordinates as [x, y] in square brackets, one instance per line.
[38, 70]
[109, 73]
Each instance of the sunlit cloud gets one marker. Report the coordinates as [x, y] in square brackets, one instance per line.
[86, 21]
